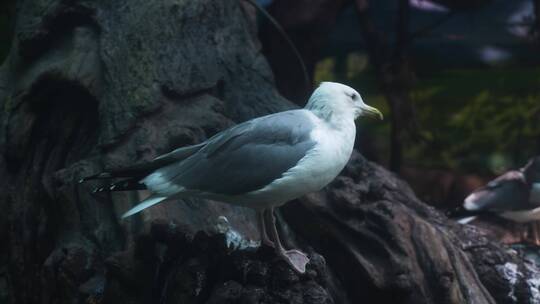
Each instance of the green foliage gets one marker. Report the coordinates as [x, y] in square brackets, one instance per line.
[481, 120]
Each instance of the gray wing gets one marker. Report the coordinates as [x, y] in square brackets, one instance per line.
[508, 192]
[535, 194]
[178, 154]
[532, 170]
[532, 175]
[243, 158]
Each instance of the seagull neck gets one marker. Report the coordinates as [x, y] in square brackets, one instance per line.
[335, 119]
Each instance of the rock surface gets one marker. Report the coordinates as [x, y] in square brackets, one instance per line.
[387, 246]
[167, 266]
[89, 85]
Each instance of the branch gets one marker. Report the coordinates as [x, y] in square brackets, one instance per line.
[283, 34]
[422, 31]
[402, 28]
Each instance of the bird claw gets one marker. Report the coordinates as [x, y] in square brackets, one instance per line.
[296, 259]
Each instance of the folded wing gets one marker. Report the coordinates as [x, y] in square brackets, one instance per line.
[244, 158]
[508, 192]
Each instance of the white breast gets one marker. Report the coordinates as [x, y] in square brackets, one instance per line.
[319, 167]
[522, 216]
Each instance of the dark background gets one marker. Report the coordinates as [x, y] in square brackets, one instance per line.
[458, 82]
[466, 73]
[91, 85]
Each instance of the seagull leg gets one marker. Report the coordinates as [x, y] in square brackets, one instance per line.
[523, 229]
[532, 236]
[262, 228]
[293, 257]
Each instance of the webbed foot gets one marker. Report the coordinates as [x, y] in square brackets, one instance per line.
[296, 259]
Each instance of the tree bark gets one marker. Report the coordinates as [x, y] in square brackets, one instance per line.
[89, 85]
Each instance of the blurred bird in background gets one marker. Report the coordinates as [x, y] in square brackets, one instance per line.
[514, 196]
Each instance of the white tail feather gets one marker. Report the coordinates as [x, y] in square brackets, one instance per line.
[150, 201]
[467, 219]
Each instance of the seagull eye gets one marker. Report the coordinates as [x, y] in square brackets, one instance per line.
[354, 97]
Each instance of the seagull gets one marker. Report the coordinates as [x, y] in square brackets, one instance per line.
[261, 163]
[514, 196]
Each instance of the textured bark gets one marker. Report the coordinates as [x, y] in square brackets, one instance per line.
[89, 85]
[386, 246]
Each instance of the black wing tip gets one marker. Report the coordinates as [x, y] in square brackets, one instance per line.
[124, 185]
[99, 189]
[95, 176]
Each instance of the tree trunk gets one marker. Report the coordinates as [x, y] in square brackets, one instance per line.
[89, 85]
[394, 75]
[536, 16]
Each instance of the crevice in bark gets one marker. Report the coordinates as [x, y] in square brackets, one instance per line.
[61, 21]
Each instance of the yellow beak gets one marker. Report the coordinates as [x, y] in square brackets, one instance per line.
[371, 111]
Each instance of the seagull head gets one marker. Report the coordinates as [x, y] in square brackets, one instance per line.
[332, 99]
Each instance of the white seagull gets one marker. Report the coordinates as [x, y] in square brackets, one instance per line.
[261, 163]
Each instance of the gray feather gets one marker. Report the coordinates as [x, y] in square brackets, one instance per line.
[246, 157]
[179, 154]
[508, 192]
[535, 193]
